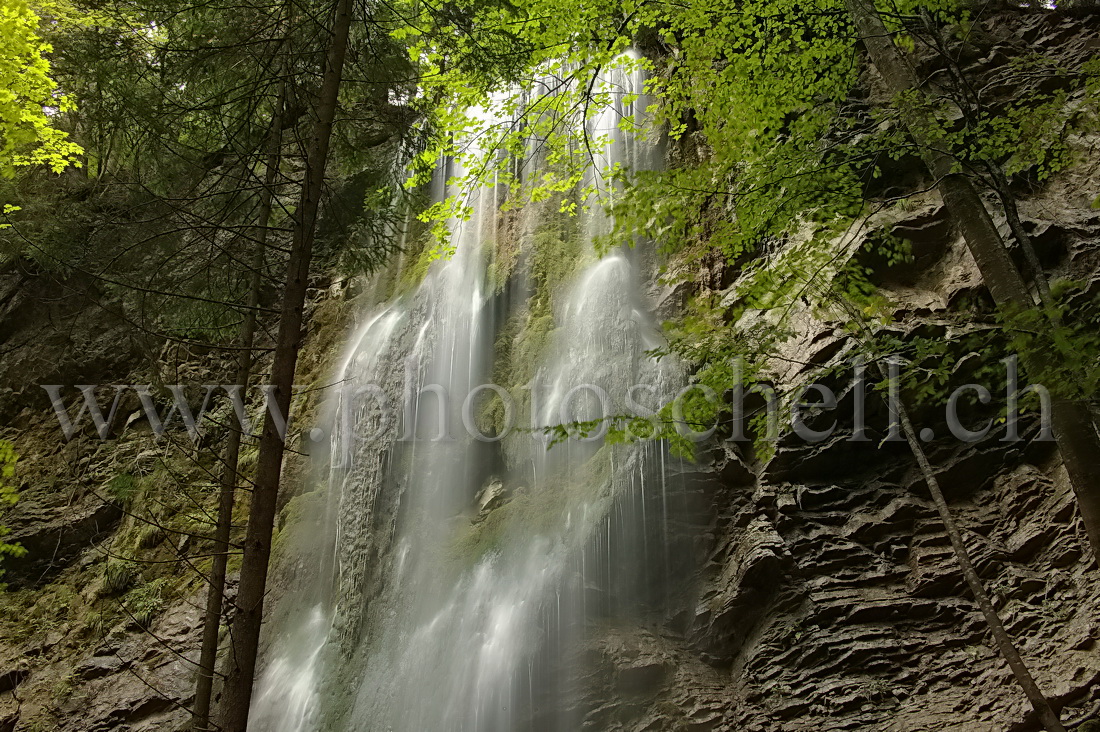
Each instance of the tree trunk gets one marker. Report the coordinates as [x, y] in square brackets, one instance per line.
[1012, 215]
[1047, 715]
[1077, 438]
[200, 711]
[237, 693]
[1008, 650]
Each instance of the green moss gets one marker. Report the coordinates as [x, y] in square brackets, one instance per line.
[556, 253]
[530, 346]
[42, 723]
[556, 248]
[95, 624]
[39, 612]
[411, 277]
[249, 456]
[504, 253]
[421, 252]
[63, 688]
[534, 510]
[149, 535]
[292, 514]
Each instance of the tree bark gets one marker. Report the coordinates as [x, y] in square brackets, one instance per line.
[208, 656]
[1071, 420]
[237, 694]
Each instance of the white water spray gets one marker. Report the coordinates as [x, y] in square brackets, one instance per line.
[458, 578]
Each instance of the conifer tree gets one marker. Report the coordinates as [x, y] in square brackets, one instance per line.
[237, 693]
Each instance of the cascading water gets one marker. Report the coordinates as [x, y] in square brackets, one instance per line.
[463, 567]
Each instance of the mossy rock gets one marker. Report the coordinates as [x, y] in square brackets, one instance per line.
[533, 510]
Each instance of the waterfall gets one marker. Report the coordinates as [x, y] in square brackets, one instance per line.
[460, 567]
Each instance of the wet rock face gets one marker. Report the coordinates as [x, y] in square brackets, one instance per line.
[53, 332]
[828, 596]
[492, 496]
[134, 686]
[750, 574]
[76, 653]
[125, 682]
[839, 605]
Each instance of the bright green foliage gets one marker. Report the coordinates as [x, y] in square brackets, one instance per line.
[495, 75]
[1065, 356]
[778, 160]
[8, 496]
[760, 82]
[28, 135]
[1026, 134]
[8, 493]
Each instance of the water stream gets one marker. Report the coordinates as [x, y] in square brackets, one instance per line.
[460, 570]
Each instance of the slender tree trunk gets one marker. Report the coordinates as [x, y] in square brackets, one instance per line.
[1077, 438]
[1047, 715]
[200, 714]
[1012, 215]
[1008, 649]
[970, 105]
[237, 693]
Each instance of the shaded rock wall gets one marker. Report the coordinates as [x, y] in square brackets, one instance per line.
[100, 621]
[839, 605]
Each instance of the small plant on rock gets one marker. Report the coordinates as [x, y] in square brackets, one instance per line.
[122, 488]
[146, 601]
[117, 576]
